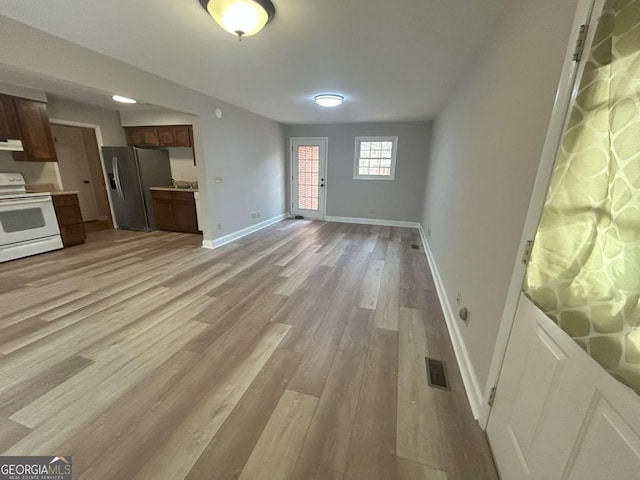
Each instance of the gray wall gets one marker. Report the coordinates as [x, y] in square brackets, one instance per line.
[398, 199]
[246, 149]
[487, 144]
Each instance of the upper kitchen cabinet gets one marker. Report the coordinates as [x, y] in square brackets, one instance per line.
[143, 137]
[9, 129]
[35, 131]
[161, 136]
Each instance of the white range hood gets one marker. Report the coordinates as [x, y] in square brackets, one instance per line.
[11, 145]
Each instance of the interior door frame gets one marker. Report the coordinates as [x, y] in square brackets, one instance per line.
[566, 91]
[326, 169]
[98, 132]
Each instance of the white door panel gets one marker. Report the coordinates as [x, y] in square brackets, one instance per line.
[558, 414]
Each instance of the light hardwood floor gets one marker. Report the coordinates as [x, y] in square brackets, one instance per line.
[294, 353]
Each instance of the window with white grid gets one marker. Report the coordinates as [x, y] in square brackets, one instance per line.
[375, 158]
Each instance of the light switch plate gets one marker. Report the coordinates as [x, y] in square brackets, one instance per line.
[217, 179]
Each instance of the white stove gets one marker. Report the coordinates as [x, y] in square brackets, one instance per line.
[28, 223]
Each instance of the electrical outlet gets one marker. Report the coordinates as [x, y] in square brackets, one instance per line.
[372, 210]
[459, 298]
[259, 213]
[465, 315]
[218, 179]
[428, 232]
[219, 226]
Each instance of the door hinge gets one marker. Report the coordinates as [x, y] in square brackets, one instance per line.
[492, 396]
[527, 252]
[580, 43]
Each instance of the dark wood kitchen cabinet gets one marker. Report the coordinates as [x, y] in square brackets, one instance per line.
[143, 137]
[35, 131]
[175, 135]
[159, 136]
[175, 211]
[9, 129]
[69, 216]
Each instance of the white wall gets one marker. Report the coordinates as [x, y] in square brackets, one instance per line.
[108, 120]
[23, 92]
[182, 167]
[486, 149]
[33, 172]
[399, 199]
[246, 149]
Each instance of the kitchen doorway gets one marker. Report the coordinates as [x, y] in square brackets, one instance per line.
[80, 168]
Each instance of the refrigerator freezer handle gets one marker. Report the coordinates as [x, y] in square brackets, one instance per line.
[116, 171]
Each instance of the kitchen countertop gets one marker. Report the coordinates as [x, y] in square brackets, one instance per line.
[174, 189]
[65, 192]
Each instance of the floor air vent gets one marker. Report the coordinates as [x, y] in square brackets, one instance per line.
[436, 374]
[415, 246]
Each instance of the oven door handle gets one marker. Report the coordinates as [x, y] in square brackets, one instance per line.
[5, 203]
[116, 174]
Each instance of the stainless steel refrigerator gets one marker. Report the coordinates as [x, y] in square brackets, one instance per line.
[131, 172]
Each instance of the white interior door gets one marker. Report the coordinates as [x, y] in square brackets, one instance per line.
[557, 413]
[308, 175]
[74, 168]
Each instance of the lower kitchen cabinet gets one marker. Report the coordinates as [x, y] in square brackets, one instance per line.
[175, 211]
[69, 216]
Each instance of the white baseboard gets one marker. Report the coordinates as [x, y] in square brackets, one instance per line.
[218, 242]
[373, 221]
[469, 378]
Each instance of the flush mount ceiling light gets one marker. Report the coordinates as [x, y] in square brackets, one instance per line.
[329, 100]
[121, 99]
[240, 17]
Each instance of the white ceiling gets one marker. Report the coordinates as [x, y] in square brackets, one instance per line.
[392, 59]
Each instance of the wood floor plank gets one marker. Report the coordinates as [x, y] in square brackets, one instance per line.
[368, 296]
[122, 425]
[373, 443]
[418, 429]
[27, 392]
[327, 442]
[305, 470]
[227, 453]
[318, 357]
[388, 307]
[408, 470]
[10, 433]
[275, 455]
[181, 449]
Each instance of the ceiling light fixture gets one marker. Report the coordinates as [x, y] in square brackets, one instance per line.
[240, 17]
[121, 99]
[329, 100]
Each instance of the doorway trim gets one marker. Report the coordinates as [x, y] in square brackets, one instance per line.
[326, 170]
[567, 89]
[99, 141]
